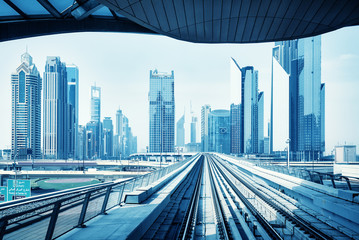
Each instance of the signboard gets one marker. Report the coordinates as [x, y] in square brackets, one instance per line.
[23, 189]
[3, 194]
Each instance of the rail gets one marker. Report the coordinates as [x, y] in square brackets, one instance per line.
[51, 215]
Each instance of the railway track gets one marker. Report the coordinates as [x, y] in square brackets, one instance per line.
[218, 201]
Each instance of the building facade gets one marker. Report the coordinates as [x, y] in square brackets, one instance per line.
[219, 131]
[26, 110]
[162, 112]
[301, 59]
[180, 132]
[245, 129]
[107, 138]
[55, 118]
[73, 109]
[205, 110]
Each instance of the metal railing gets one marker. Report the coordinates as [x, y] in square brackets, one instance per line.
[51, 215]
[333, 180]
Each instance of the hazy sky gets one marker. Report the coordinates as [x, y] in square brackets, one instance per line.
[120, 64]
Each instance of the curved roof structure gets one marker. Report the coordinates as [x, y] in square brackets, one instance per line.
[204, 21]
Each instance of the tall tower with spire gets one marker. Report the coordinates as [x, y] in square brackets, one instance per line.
[26, 110]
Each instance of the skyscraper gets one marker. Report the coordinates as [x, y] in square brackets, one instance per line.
[26, 109]
[301, 59]
[261, 122]
[95, 103]
[96, 121]
[108, 137]
[205, 110]
[180, 132]
[244, 109]
[194, 129]
[219, 131]
[55, 106]
[162, 112]
[73, 108]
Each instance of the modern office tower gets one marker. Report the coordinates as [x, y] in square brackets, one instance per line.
[73, 109]
[322, 117]
[95, 103]
[194, 129]
[280, 98]
[108, 137]
[92, 148]
[261, 122]
[55, 107]
[235, 108]
[124, 142]
[301, 59]
[118, 134]
[205, 110]
[250, 109]
[244, 109]
[235, 112]
[26, 110]
[266, 145]
[81, 143]
[219, 131]
[180, 132]
[162, 112]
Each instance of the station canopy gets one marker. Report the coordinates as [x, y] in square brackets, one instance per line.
[202, 21]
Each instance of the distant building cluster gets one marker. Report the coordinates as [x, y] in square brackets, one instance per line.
[63, 137]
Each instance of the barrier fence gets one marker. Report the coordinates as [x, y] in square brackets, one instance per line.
[51, 215]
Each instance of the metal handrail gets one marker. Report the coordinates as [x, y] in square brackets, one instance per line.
[22, 213]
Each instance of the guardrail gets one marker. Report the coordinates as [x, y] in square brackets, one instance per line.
[335, 180]
[51, 215]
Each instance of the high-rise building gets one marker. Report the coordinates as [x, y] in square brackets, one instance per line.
[301, 59]
[55, 135]
[108, 137]
[194, 129]
[73, 109]
[81, 143]
[205, 110]
[219, 131]
[95, 103]
[261, 122]
[26, 110]
[180, 132]
[244, 109]
[162, 112]
[93, 140]
[280, 99]
[124, 142]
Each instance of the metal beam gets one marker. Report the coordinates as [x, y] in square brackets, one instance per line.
[50, 8]
[18, 10]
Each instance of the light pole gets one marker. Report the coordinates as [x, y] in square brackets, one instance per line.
[14, 165]
[288, 141]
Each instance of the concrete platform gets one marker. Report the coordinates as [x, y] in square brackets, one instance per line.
[131, 220]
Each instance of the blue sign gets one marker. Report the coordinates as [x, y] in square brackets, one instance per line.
[3, 194]
[23, 189]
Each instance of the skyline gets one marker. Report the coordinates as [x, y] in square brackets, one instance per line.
[132, 71]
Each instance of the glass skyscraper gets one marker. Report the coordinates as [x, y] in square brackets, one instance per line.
[95, 126]
[261, 122]
[205, 110]
[108, 137]
[26, 110]
[244, 110]
[55, 135]
[95, 103]
[219, 131]
[180, 132]
[73, 108]
[162, 112]
[194, 129]
[301, 59]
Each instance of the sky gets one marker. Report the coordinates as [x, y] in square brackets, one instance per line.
[120, 63]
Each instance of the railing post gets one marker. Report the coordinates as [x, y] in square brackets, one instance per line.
[83, 211]
[52, 223]
[105, 201]
[2, 228]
